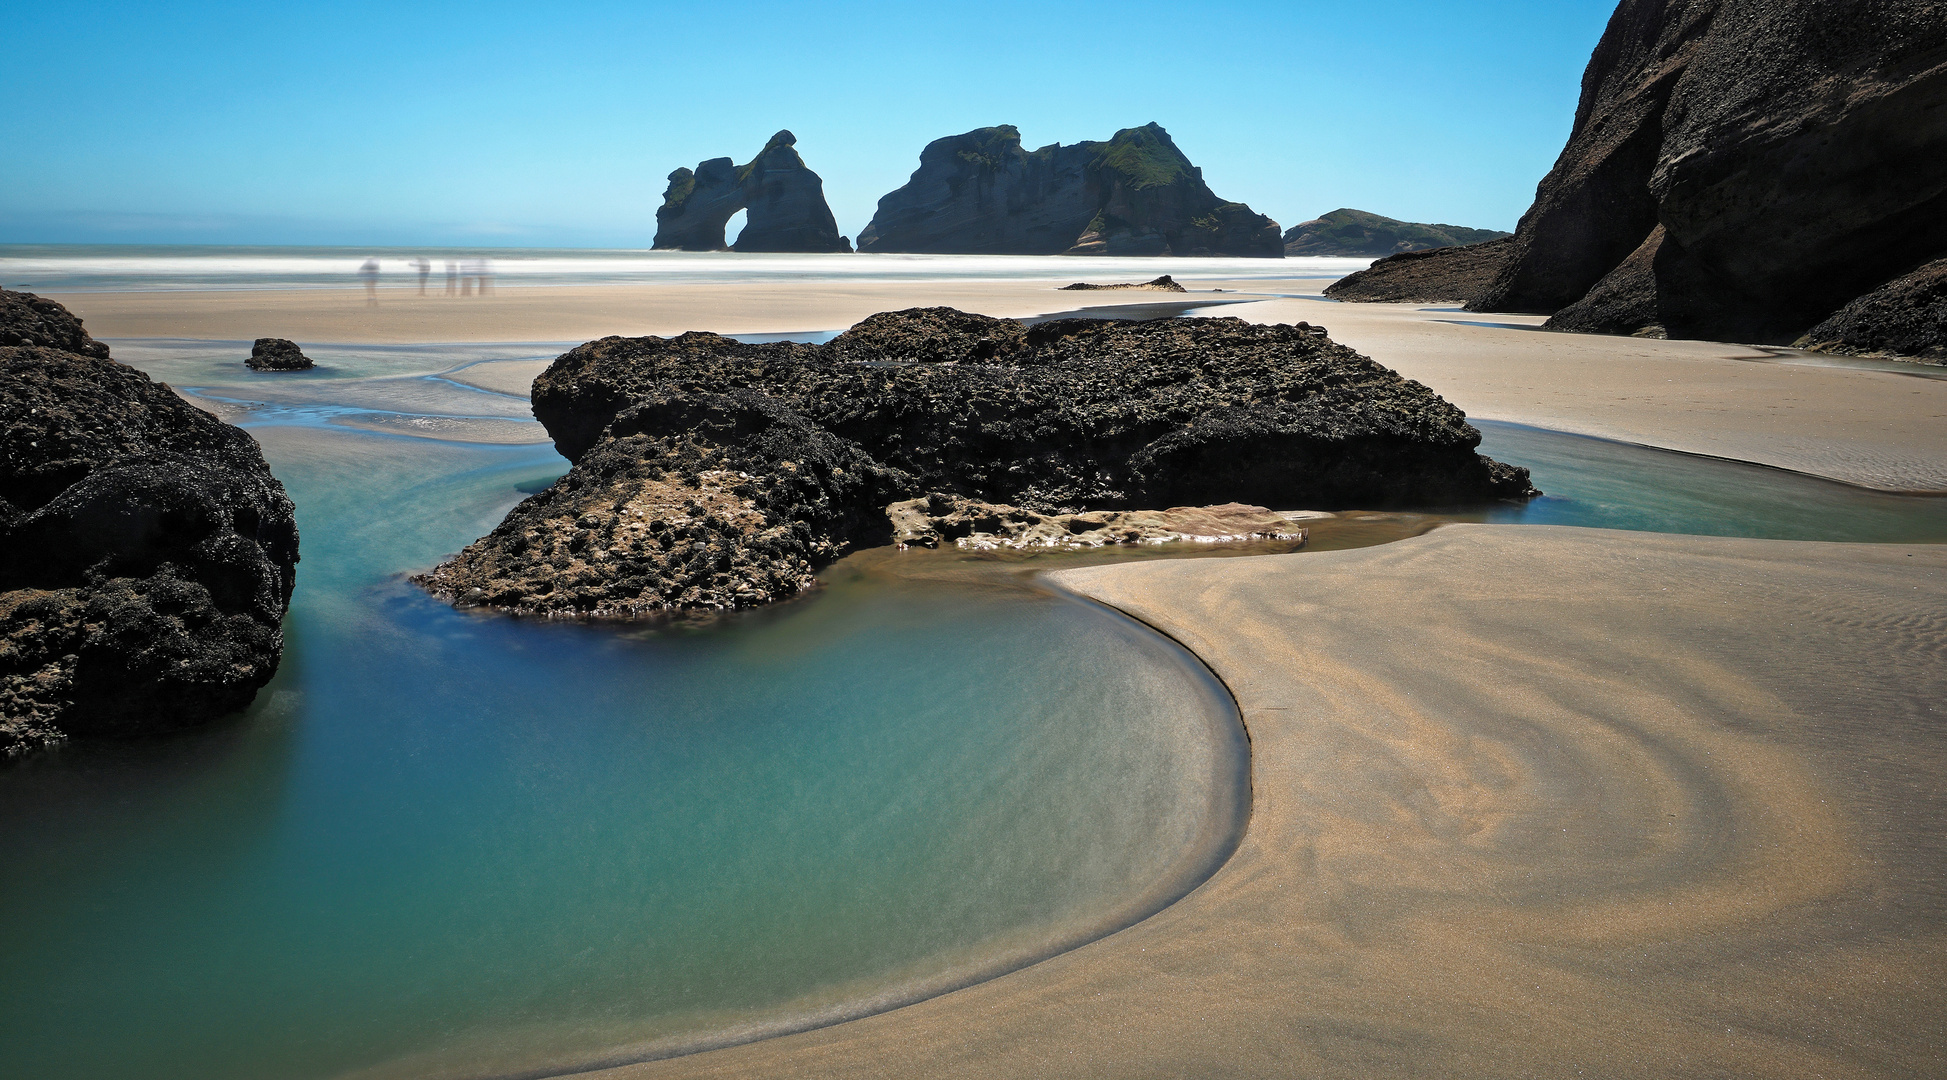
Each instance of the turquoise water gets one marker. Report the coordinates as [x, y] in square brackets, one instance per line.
[447, 844]
[1609, 485]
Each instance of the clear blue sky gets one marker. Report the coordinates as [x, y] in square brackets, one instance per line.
[540, 124]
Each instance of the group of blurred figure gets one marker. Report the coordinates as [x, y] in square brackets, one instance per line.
[469, 277]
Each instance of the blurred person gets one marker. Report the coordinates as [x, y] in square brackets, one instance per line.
[425, 268]
[370, 272]
[452, 278]
[485, 269]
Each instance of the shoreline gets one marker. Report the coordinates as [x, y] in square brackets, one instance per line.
[1110, 1008]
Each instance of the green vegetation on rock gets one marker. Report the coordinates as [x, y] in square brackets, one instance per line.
[1356, 232]
[1144, 156]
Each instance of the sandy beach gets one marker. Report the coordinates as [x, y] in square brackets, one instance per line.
[1876, 429]
[1527, 802]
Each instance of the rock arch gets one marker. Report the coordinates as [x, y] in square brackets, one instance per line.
[785, 199]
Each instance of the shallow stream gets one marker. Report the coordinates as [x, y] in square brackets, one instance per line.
[451, 844]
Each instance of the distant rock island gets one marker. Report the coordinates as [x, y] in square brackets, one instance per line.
[147, 554]
[785, 200]
[981, 193]
[1349, 232]
[711, 474]
[1738, 170]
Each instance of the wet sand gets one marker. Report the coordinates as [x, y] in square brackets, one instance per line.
[1875, 429]
[554, 313]
[1527, 801]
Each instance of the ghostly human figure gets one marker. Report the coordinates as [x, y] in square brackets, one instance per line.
[370, 272]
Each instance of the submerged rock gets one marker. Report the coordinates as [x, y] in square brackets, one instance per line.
[1454, 275]
[1136, 194]
[1739, 170]
[147, 554]
[277, 354]
[711, 474]
[1165, 283]
[1349, 232]
[1906, 317]
[786, 201]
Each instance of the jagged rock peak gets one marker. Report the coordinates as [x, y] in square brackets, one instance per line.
[981, 192]
[785, 200]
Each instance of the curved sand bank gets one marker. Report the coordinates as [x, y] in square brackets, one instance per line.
[1526, 801]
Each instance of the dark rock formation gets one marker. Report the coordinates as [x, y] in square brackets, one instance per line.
[1165, 283]
[146, 553]
[1356, 233]
[1739, 169]
[26, 319]
[277, 354]
[981, 193]
[786, 201]
[1905, 317]
[710, 474]
[1454, 275]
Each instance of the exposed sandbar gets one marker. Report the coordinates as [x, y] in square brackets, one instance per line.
[1527, 801]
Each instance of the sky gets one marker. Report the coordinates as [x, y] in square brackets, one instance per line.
[530, 124]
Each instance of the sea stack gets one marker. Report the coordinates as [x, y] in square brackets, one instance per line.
[1741, 170]
[277, 354]
[786, 201]
[147, 554]
[710, 474]
[1136, 194]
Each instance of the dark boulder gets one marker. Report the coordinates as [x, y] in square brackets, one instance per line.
[1136, 194]
[1165, 283]
[1739, 169]
[147, 555]
[1348, 232]
[1905, 317]
[785, 200]
[710, 474]
[277, 354]
[1451, 275]
[26, 319]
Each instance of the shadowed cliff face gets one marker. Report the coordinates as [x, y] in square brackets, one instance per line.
[786, 201]
[1740, 169]
[1136, 194]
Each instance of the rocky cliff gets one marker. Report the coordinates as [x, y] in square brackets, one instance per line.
[710, 474]
[1136, 194]
[1740, 169]
[1348, 232]
[785, 200]
[1448, 275]
[147, 554]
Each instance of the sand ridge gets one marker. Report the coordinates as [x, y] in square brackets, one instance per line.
[1526, 801]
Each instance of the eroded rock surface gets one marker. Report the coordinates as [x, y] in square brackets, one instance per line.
[1906, 317]
[147, 554]
[26, 319]
[277, 354]
[786, 201]
[711, 474]
[950, 521]
[1136, 194]
[1739, 170]
[1165, 283]
[1454, 275]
